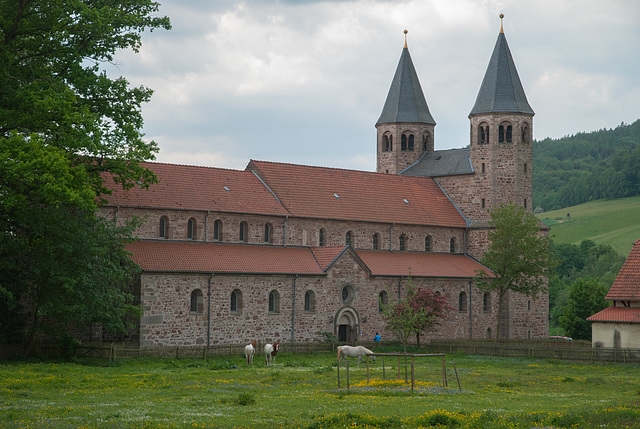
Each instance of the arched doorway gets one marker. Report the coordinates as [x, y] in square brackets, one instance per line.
[347, 325]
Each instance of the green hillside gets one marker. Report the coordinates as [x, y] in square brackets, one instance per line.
[612, 222]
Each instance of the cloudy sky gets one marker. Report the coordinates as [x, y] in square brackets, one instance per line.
[305, 81]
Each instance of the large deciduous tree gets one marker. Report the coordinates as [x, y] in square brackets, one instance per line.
[586, 298]
[64, 123]
[421, 310]
[519, 256]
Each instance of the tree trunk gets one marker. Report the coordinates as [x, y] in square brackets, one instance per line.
[499, 317]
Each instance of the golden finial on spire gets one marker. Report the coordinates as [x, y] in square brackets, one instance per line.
[501, 16]
[405, 38]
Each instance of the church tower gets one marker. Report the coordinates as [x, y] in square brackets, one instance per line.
[502, 134]
[405, 127]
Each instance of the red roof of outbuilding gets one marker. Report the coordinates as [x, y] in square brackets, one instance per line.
[199, 188]
[331, 193]
[419, 264]
[222, 258]
[627, 285]
[617, 314]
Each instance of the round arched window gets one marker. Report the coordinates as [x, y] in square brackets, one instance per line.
[347, 294]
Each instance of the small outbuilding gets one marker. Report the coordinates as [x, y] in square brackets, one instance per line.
[618, 326]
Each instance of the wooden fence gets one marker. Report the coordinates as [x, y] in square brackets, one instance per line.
[581, 351]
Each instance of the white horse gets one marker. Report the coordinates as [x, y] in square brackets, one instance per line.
[270, 352]
[352, 352]
[249, 351]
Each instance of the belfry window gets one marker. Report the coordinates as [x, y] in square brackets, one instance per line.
[403, 142]
[425, 142]
[386, 143]
[509, 133]
[501, 134]
[410, 147]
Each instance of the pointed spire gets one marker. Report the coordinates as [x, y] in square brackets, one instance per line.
[405, 100]
[501, 89]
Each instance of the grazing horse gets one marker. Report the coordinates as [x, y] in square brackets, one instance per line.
[249, 351]
[270, 352]
[352, 352]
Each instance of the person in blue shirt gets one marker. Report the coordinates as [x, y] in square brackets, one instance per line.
[377, 338]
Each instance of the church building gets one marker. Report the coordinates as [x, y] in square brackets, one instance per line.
[296, 253]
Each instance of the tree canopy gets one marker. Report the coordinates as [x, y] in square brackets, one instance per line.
[64, 123]
[421, 310]
[518, 255]
[586, 298]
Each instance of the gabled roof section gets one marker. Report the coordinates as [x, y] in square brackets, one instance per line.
[201, 257]
[327, 255]
[617, 315]
[199, 188]
[418, 264]
[331, 193]
[452, 162]
[501, 90]
[405, 100]
[627, 285]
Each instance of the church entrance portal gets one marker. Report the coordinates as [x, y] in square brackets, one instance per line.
[347, 325]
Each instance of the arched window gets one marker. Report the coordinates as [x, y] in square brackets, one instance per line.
[243, 235]
[191, 229]
[383, 300]
[391, 142]
[483, 203]
[486, 302]
[483, 168]
[501, 133]
[524, 134]
[462, 302]
[196, 301]
[403, 242]
[348, 239]
[236, 301]
[376, 241]
[410, 146]
[452, 245]
[267, 233]
[425, 142]
[321, 238]
[403, 142]
[509, 133]
[274, 302]
[427, 243]
[386, 144]
[483, 134]
[217, 230]
[488, 333]
[310, 302]
[163, 228]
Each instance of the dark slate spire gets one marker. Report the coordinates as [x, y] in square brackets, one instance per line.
[405, 101]
[501, 90]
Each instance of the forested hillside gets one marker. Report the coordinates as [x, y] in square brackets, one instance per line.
[586, 166]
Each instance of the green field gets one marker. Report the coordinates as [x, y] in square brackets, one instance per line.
[301, 391]
[612, 222]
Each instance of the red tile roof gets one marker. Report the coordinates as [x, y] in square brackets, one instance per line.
[419, 264]
[617, 314]
[199, 188]
[331, 193]
[198, 257]
[326, 255]
[222, 258]
[627, 285]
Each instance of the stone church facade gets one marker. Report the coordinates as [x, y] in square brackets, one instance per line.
[293, 253]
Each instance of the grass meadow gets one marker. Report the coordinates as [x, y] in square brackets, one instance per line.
[301, 391]
[613, 222]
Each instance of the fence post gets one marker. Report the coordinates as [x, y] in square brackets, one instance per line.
[347, 375]
[338, 374]
[444, 374]
[413, 381]
[367, 370]
[383, 371]
[457, 378]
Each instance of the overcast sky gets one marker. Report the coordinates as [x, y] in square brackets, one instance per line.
[305, 81]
